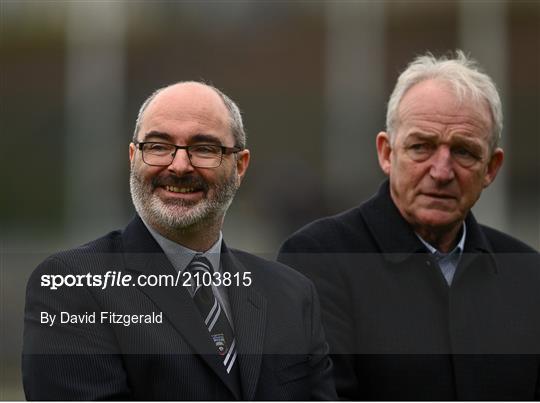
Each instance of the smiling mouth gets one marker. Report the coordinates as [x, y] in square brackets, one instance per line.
[185, 190]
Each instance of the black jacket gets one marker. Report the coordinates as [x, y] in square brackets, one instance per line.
[397, 331]
[282, 353]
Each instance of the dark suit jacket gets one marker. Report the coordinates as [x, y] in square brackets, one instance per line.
[282, 353]
[397, 331]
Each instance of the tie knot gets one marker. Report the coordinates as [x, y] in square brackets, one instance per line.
[200, 263]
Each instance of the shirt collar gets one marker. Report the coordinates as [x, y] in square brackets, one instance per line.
[458, 248]
[180, 256]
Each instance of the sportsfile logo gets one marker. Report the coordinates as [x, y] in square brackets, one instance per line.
[114, 278]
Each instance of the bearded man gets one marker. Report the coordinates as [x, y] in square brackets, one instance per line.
[164, 310]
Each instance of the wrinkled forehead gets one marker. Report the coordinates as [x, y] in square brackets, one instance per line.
[438, 101]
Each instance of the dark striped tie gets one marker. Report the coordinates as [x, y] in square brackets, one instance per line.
[211, 310]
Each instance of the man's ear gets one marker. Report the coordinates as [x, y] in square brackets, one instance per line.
[242, 163]
[493, 166]
[384, 150]
[131, 152]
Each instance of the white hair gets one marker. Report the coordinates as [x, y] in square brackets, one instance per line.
[466, 79]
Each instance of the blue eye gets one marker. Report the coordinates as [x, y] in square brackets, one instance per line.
[420, 151]
[461, 151]
[465, 156]
[464, 152]
[420, 147]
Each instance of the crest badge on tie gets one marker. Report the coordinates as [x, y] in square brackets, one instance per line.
[221, 343]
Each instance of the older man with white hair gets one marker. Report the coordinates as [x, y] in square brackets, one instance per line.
[419, 300]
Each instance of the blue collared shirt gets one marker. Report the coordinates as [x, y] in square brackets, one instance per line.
[180, 257]
[448, 261]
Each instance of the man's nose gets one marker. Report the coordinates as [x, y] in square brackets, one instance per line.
[180, 164]
[441, 165]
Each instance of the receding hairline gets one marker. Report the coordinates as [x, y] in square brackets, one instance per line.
[173, 91]
[443, 83]
[465, 77]
[235, 122]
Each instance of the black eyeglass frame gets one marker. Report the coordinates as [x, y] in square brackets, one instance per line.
[224, 151]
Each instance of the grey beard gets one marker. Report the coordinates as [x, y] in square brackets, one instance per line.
[179, 215]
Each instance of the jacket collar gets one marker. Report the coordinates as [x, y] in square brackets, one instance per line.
[142, 254]
[391, 232]
[396, 238]
[249, 309]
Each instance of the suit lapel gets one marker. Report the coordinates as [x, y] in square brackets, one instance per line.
[144, 256]
[392, 233]
[249, 315]
[477, 249]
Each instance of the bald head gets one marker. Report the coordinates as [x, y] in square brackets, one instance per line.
[182, 198]
[202, 98]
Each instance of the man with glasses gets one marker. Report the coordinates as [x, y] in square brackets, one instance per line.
[420, 301]
[195, 320]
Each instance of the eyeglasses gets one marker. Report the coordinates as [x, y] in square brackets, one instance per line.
[200, 155]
